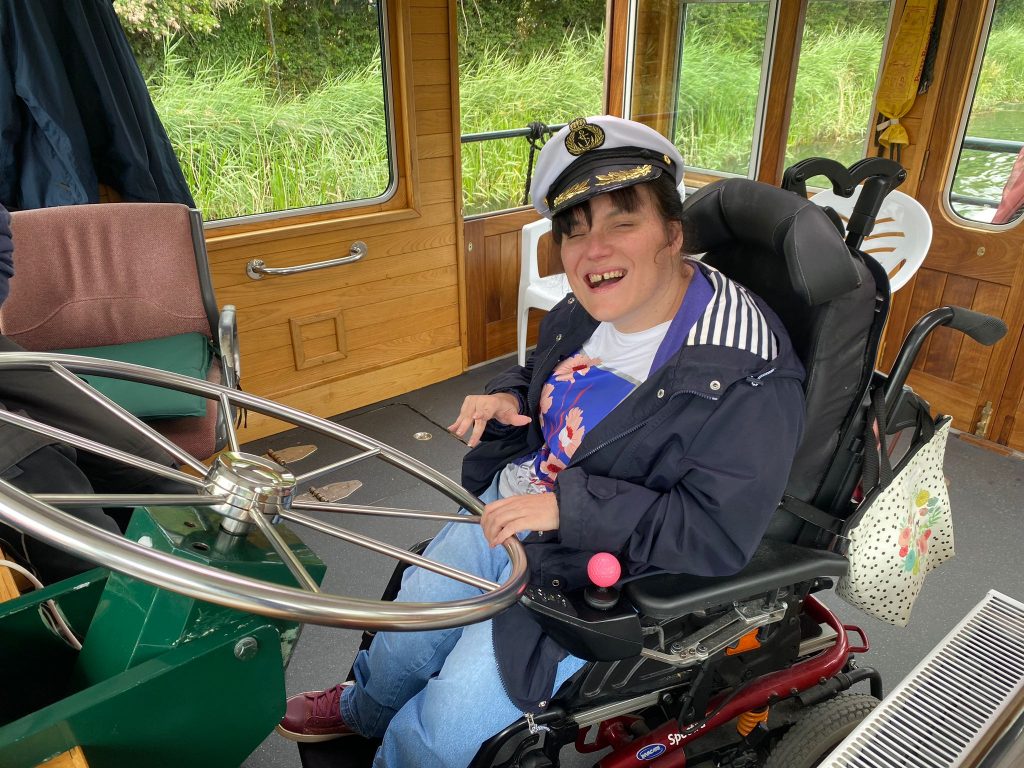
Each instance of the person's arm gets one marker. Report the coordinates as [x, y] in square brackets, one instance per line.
[710, 521]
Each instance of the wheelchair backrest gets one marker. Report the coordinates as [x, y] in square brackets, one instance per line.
[833, 303]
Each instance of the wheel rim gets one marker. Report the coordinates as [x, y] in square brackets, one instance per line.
[246, 490]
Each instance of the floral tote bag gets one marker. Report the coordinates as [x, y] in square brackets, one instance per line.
[904, 530]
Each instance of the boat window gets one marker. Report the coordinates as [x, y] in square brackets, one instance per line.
[840, 62]
[987, 181]
[699, 75]
[271, 107]
[522, 63]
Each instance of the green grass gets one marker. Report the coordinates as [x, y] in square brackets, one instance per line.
[245, 148]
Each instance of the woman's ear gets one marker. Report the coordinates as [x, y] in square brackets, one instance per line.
[674, 234]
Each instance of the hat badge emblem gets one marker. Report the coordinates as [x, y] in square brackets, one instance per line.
[583, 137]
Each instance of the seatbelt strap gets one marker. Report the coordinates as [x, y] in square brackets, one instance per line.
[812, 515]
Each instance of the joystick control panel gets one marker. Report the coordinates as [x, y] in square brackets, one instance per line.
[590, 623]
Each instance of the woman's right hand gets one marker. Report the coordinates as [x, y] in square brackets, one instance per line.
[477, 410]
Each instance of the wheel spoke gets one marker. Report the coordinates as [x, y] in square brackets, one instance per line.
[130, 420]
[99, 448]
[281, 547]
[127, 500]
[356, 509]
[391, 551]
[315, 473]
[225, 413]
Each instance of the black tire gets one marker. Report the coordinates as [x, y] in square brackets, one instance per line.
[820, 730]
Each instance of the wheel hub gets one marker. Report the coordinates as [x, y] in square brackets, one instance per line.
[248, 484]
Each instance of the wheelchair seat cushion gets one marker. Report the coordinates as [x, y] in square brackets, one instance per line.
[775, 564]
[187, 354]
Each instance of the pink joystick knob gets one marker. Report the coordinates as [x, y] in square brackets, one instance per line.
[604, 569]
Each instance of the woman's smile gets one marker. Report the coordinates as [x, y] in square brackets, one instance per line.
[625, 267]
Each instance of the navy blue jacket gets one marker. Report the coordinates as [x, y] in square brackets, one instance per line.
[682, 476]
[75, 111]
[6, 254]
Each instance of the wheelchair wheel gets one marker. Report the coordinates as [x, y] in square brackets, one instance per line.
[821, 729]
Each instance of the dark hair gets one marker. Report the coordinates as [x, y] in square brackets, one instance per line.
[663, 191]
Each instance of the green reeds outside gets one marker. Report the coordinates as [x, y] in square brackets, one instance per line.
[245, 148]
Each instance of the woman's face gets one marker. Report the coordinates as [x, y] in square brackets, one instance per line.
[625, 268]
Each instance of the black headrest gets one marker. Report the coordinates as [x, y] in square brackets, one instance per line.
[766, 217]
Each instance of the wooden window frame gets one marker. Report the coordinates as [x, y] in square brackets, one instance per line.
[404, 200]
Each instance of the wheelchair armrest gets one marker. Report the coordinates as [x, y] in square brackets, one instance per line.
[775, 564]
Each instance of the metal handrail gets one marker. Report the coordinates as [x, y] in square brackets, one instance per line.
[980, 202]
[510, 133]
[257, 268]
[993, 145]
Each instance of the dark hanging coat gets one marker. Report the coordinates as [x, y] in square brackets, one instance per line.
[74, 110]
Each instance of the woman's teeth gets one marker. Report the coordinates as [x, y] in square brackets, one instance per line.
[596, 278]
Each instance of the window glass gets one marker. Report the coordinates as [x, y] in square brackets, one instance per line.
[988, 183]
[519, 63]
[840, 60]
[723, 53]
[271, 105]
[697, 72]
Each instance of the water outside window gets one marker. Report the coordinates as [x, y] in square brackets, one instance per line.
[840, 56]
[993, 149]
[520, 63]
[270, 104]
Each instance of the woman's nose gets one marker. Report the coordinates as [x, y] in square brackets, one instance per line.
[597, 246]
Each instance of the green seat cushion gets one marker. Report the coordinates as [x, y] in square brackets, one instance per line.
[187, 353]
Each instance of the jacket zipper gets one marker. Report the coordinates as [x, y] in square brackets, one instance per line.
[635, 427]
[530, 405]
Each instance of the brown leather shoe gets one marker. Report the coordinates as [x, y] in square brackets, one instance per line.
[315, 716]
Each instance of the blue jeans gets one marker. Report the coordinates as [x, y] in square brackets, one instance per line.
[435, 696]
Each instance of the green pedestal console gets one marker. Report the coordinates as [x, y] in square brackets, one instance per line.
[162, 680]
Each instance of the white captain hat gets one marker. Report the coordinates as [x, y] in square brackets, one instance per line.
[594, 155]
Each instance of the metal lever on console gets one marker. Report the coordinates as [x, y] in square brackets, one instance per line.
[257, 268]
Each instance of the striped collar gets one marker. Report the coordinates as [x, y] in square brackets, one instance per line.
[732, 319]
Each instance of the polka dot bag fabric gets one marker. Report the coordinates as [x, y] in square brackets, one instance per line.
[905, 532]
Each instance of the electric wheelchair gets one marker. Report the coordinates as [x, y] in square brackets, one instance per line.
[739, 671]
[675, 657]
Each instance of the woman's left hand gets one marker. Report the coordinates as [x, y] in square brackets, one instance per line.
[529, 512]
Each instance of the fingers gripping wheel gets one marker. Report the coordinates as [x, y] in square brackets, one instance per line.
[603, 570]
[248, 492]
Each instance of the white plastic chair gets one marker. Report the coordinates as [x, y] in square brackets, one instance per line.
[900, 238]
[535, 291]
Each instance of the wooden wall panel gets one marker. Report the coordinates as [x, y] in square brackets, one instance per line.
[332, 340]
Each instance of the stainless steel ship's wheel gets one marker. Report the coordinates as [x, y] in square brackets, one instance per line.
[246, 490]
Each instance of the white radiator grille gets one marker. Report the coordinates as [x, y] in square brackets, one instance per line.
[937, 715]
